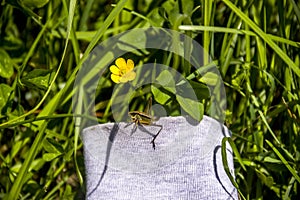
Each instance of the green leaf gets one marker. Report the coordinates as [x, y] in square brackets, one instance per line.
[34, 3]
[159, 96]
[6, 64]
[16, 112]
[272, 160]
[210, 78]
[266, 179]
[164, 87]
[5, 92]
[37, 164]
[188, 100]
[39, 78]
[52, 146]
[156, 17]
[68, 155]
[50, 156]
[18, 145]
[11, 42]
[201, 90]
[165, 79]
[193, 108]
[68, 194]
[275, 167]
[187, 7]
[132, 40]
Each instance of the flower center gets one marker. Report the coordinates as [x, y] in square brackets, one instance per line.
[123, 71]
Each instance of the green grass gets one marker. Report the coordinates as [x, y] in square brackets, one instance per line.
[256, 45]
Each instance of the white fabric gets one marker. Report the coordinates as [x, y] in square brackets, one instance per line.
[186, 163]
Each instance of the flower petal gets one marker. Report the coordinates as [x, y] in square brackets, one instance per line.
[121, 64]
[128, 77]
[114, 69]
[115, 78]
[131, 75]
[130, 65]
[123, 80]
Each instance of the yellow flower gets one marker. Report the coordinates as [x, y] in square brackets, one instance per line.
[122, 72]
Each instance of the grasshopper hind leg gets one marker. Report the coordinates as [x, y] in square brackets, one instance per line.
[155, 136]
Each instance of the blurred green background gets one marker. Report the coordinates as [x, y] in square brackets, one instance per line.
[43, 44]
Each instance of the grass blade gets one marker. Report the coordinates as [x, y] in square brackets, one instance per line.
[264, 36]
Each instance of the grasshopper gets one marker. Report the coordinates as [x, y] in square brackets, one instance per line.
[144, 118]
